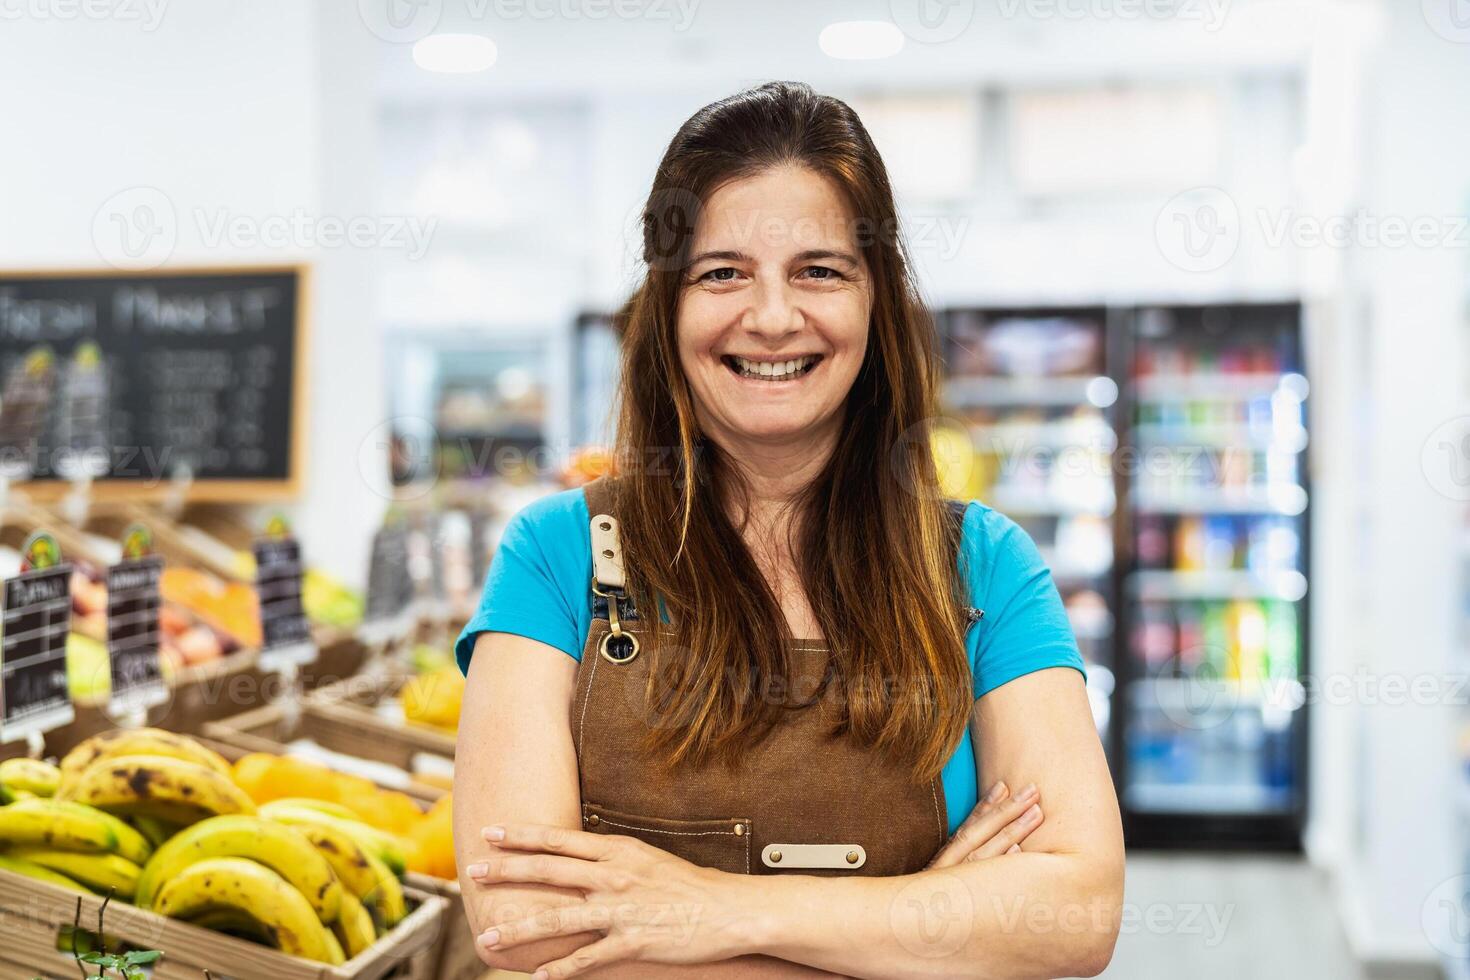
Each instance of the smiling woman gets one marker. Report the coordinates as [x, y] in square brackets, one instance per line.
[730, 717]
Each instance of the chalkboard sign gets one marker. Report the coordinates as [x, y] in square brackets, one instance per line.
[196, 371]
[132, 624]
[33, 692]
[390, 587]
[284, 629]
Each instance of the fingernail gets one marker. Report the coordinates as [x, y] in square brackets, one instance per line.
[996, 792]
[478, 870]
[495, 833]
[1032, 814]
[540, 975]
[1013, 848]
[490, 937]
[1028, 793]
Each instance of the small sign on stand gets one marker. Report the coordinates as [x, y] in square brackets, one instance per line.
[33, 694]
[286, 642]
[132, 625]
[389, 615]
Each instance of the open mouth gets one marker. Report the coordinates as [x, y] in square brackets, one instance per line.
[788, 370]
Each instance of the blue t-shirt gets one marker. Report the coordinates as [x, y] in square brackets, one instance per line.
[538, 587]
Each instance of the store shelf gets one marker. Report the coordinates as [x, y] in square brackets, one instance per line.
[1174, 585]
[1215, 798]
[1011, 437]
[1190, 697]
[974, 392]
[1200, 386]
[1292, 440]
[1286, 499]
[1009, 500]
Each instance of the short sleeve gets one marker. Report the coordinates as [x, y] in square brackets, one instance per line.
[537, 582]
[1025, 626]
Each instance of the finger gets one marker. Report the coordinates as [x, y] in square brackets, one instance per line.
[563, 920]
[1013, 848]
[538, 869]
[981, 827]
[954, 849]
[553, 840]
[589, 957]
[1010, 836]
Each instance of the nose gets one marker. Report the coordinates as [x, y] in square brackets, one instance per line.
[773, 315]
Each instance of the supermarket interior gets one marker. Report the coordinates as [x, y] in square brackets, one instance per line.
[302, 300]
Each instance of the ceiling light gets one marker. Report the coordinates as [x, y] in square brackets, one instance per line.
[861, 39]
[454, 53]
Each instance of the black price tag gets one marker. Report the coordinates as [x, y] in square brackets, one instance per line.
[33, 692]
[390, 587]
[23, 405]
[132, 624]
[285, 632]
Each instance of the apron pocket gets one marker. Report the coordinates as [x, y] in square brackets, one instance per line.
[720, 844]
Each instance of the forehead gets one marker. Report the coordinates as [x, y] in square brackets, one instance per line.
[779, 210]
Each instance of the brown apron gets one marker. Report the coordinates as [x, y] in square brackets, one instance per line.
[799, 800]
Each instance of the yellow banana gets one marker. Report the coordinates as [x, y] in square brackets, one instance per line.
[323, 806]
[354, 926]
[139, 741]
[41, 874]
[335, 955]
[100, 872]
[154, 830]
[159, 786]
[24, 778]
[277, 846]
[360, 871]
[239, 883]
[70, 826]
[385, 846]
[232, 922]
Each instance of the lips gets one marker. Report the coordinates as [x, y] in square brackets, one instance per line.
[769, 370]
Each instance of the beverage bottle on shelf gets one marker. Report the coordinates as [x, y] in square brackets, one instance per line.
[1249, 622]
[1153, 541]
[1219, 546]
[1215, 633]
[1189, 544]
[1191, 634]
[1281, 641]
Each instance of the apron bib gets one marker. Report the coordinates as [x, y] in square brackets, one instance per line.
[798, 800]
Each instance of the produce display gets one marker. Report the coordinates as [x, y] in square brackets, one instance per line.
[157, 819]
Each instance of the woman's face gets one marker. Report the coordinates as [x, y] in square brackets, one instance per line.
[773, 313]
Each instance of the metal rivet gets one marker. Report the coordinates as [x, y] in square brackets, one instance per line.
[852, 857]
[607, 552]
[740, 830]
[593, 820]
[775, 857]
[605, 526]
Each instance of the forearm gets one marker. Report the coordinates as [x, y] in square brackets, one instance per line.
[1025, 915]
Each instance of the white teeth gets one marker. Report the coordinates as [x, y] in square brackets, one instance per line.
[775, 370]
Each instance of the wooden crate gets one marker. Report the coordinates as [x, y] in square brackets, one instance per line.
[32, 913]
[457, 959]
[353, 705]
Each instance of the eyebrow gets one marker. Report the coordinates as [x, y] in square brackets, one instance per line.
[735, 255]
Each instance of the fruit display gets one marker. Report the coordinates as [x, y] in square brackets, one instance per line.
[433, 840]
[156, 819]
[229, 607]
[328, 602]
[434, 698]
[268, 778]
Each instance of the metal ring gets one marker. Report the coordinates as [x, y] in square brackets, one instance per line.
[602, 647]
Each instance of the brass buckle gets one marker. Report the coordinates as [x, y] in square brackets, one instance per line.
[616, 630]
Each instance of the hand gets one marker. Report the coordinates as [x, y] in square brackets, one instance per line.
[648, 904]
[997, 826]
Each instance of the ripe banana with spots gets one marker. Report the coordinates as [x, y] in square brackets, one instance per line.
[139, 741]
[354, 926]
[239, 883]
[159, 786]
[22, 779]
[71, 826]
[323, 806]
[102, 873]
[358, 868]
[383, 845]
[41, 874]
[154, 831]
[279, 847]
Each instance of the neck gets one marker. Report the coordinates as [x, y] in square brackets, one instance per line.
[775, 472]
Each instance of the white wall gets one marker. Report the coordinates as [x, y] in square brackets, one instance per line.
[242, 111]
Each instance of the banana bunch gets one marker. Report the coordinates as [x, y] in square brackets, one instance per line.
[71, 844]
[163, 780]
[304, 876]
[24, 779]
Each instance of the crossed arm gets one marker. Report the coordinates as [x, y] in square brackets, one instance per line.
[544, 895]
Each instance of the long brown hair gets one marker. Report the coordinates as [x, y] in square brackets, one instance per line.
[876, 551]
